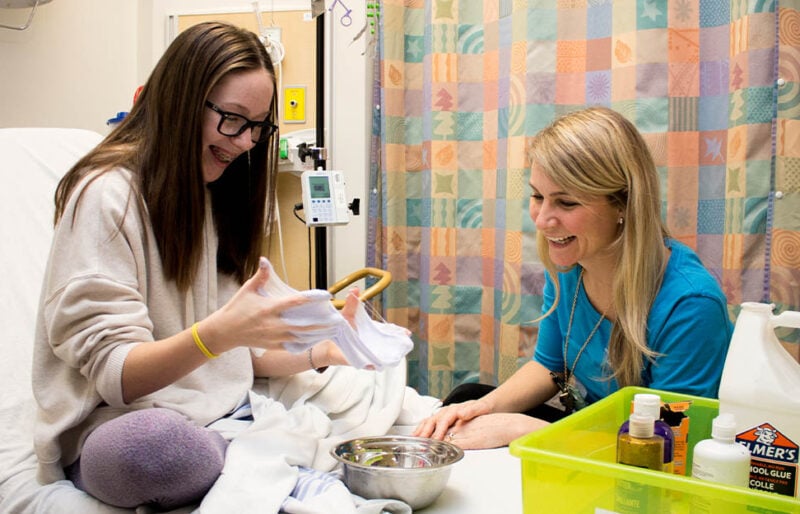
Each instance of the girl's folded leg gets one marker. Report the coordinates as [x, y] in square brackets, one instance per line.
[149, 457]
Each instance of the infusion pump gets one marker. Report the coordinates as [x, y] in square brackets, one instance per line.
[324, 198]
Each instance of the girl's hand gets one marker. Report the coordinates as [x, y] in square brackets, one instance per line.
[351, 306]
[253, 320]
[330, 354]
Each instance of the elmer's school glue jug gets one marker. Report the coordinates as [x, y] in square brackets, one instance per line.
[761, 388]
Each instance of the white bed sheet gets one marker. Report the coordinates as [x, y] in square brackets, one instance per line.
[33, 160]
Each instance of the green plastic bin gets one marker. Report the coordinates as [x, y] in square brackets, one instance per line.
[570, 467]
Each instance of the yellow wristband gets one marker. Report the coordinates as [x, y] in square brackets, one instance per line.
[203, 348]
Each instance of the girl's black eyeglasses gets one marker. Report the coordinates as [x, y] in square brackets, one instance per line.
[232, 124]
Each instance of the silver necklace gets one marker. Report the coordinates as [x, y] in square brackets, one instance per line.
[569, 396]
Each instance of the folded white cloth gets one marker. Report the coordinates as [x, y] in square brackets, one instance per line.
[370, 344]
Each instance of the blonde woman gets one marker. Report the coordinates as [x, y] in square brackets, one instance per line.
[624, 304]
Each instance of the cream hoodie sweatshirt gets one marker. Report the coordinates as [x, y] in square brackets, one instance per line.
[103, 293]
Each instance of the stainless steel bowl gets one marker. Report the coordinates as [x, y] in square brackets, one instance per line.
[412, 469]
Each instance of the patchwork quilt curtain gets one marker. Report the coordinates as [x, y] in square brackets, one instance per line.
[714, 86]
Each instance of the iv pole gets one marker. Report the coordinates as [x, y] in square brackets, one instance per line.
[320, 232]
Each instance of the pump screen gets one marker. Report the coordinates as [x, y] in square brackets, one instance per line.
[320, 187]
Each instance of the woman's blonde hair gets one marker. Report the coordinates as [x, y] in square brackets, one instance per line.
[599, 152]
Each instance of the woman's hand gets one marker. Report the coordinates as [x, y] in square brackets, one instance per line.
[492, 430]
[442, 423]
[473, 425]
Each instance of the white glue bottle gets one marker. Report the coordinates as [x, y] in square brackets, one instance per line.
[759, 386]
[721, 459]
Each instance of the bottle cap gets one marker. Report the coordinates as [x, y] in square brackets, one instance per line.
[648, 404]
[641, 425]
[724, 427]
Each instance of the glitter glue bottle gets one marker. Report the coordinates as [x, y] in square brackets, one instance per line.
[639, 447]
[650, 405]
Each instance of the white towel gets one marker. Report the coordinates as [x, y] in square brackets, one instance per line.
[297, 420]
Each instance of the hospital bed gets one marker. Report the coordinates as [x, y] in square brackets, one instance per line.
[33, 161]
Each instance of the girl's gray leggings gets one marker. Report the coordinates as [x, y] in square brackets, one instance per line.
[149, 457]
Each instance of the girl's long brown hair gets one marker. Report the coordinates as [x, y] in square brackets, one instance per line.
[160, 142]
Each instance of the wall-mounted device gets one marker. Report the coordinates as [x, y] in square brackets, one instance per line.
[294, 104]
[324, 199]
[291, 143]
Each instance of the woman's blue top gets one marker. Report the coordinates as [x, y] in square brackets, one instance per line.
[688, 326]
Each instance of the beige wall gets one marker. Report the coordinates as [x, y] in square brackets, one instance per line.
[75, 66]
[81, 60]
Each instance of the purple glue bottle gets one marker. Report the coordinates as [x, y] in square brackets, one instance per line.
[649, 404]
